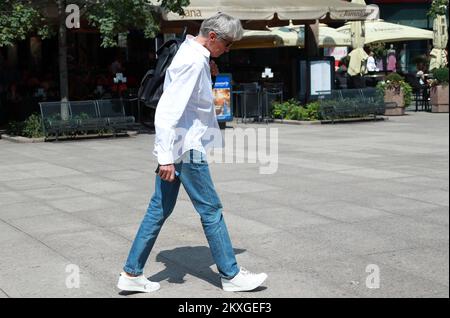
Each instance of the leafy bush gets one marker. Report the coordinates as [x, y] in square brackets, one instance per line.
[440, 76]
[292, 110]
[396, 82]
[281, 110]
[394, 78]
[31, 127]
[313, 111]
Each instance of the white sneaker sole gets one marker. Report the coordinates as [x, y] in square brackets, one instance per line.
[141, 289]
[234, 288]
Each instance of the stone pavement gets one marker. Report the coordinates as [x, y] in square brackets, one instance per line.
[346, 198]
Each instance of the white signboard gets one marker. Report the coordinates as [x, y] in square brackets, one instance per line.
[321, 77]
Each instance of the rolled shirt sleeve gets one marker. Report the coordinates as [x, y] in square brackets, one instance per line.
[171, 107]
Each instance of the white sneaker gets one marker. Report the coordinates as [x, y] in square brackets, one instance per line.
[136, 284]
[243, 281]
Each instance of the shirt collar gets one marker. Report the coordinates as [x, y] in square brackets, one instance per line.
[191, 41]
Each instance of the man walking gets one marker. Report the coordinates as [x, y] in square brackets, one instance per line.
[186, 109]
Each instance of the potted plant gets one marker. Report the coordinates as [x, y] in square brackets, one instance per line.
[439, 90]
[397, 94]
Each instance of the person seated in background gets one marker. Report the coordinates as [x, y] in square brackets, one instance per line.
[341, 76]
[421, 70]
[371, 64]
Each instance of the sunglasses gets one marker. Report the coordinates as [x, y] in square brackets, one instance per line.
[227, 43]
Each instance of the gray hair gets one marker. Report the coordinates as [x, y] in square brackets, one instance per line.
[226, 27]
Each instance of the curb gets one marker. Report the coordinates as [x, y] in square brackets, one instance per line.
[26, 140]
[324, 122]
[20, 139]
[297, 122]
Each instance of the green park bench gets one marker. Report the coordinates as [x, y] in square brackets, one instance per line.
[352, 103]
[84, 116]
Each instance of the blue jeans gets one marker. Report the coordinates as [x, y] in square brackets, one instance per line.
[194, 174]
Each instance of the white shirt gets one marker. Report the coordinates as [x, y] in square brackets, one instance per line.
[185, 117]
[371, 65]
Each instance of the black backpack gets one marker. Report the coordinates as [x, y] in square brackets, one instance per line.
[152, 85]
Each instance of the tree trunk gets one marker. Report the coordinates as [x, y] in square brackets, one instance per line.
[63, 71]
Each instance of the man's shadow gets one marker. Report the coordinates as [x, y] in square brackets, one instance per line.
[181, 261]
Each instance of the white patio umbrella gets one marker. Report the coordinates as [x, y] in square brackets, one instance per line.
[358, 56]
[440, 39]
[265, 10]
[381, 31]
[292, 35]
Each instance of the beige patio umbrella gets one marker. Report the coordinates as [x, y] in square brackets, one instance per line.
[440, 39]
[292, 35]
[358, 56]
[266, 10]
[381, 31]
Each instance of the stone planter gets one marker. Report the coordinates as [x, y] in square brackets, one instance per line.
[439, 99]
[392, 96]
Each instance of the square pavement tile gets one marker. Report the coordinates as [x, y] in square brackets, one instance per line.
[12, 197]
[344, 211]
[427, 263]
[54, 193]
[243, 187]
[355, 275]
[24, 210]
[438, 197]
[82, 203]
[44, 225]
[30, 184]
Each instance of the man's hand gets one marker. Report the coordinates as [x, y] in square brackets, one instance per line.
[167, 172]
[214, 68]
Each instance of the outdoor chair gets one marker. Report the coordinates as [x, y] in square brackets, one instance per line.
[272, 92]
[251, 101]
[421, 93]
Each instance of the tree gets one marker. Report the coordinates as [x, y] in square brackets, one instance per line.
[19, 18]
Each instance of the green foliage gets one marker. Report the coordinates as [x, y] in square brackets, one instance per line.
[440, 76]
[379, 49]
[438, 7]
[292, 110]
[396, 82]
[394, 78]
[119, 16]
[18, 18]
[31, 127]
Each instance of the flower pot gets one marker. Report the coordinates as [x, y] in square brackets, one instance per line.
[439, 99]
[395, 100]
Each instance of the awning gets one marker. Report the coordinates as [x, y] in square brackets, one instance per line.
[266, 10]
[292, 35]
[380, 31]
